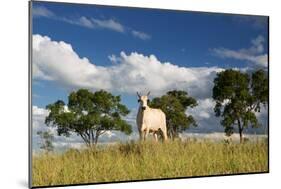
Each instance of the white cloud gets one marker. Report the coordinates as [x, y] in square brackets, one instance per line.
[94, 23]
[140, 35]
[90, 22]
[257, 45]
[38, 124]
[209, 123]
[204, 110]
[137, 72]
[58, 61]
[41, 11]
[38, 117]
[255, 54]
[109, 24]
[83, 21]
[114, 59]
[205, 117]
[39, 111]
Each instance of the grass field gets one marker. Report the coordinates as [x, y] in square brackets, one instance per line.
[149, 160]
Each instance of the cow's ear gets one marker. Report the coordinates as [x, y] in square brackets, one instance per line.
[138, 100]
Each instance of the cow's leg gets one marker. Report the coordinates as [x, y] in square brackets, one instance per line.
[143, 132]
[155, 136]
[141, 135]
[146, 134]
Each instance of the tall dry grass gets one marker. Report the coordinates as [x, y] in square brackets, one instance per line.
[149, 160]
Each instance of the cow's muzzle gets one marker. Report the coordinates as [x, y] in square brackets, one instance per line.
[143, 108]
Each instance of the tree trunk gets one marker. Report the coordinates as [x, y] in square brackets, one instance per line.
[240, 129]
[96, 138]
[241, 137]
[86, 140]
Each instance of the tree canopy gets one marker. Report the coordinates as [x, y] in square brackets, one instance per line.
[89, 115]
[238, 96]
[174, 104]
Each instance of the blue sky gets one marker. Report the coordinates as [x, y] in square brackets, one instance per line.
[183, 38]
[124, 50]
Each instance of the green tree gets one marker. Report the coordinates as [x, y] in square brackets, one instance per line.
[238, 96]
[89, 115]
[174, 104]
[47, 138]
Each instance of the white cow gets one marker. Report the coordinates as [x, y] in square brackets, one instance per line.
[150, 120]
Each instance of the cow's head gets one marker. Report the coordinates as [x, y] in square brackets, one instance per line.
[143, 100]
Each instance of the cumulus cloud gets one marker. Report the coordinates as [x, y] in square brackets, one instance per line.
[204, 110]
[38, 116]
[254, 54]
[140, 35]
[113, 58]
[204, 114]
[57, 61]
